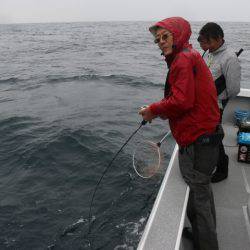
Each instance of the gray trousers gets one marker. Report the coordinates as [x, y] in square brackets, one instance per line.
[197, 162]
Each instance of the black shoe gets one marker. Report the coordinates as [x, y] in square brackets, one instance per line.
[187, 233]
[217, 177]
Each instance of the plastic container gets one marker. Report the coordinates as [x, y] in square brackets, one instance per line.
[241, 116]
[244, 147]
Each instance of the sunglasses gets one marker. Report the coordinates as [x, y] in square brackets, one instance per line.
[163, 37]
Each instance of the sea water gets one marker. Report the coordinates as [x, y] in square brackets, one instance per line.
[69, 99]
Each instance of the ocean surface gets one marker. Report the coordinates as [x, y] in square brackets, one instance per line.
[69, 97]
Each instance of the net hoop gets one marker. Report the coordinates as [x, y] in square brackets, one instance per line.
[156, 167]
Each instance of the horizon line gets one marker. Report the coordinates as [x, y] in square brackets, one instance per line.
[99, 21]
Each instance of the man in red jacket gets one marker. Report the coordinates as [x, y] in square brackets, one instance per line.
[190, 104]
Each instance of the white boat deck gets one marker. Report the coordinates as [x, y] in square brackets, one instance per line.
[232, 199]
[232, 195]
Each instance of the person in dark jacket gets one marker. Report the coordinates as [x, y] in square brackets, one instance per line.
[190, 105]
[225, 68]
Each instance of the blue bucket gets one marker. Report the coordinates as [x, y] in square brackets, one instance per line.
[244, 138]
[241, 115]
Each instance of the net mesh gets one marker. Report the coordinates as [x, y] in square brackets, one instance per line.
[146, 159]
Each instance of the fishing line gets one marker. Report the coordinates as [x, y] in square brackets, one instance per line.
[106, 169]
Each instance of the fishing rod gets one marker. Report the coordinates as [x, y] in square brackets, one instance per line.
[239, 52]
[106, 169]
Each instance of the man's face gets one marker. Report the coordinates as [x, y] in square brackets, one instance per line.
[211, 44]
[165, 41]
[204, 44]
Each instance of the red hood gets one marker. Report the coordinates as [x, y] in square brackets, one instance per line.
[181, 30]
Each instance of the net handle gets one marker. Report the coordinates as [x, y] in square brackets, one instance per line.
[164, 137]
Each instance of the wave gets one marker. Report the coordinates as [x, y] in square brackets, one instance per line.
[117, 79]
[60, 48]
[131, 231]
[122, 79]
[10, 80]
[15, 80]
[6, 100]
[42, 146]
[73, 227]
[18, 121]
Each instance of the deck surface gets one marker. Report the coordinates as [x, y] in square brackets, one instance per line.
[230, 196]
[164, 227]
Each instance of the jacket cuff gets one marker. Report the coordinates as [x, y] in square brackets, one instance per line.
[154, 108]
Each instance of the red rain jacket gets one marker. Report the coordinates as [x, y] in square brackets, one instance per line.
[191, 101]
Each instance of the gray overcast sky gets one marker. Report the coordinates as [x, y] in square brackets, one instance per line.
[16, 11]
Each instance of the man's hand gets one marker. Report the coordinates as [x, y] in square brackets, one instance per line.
[146, 114]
